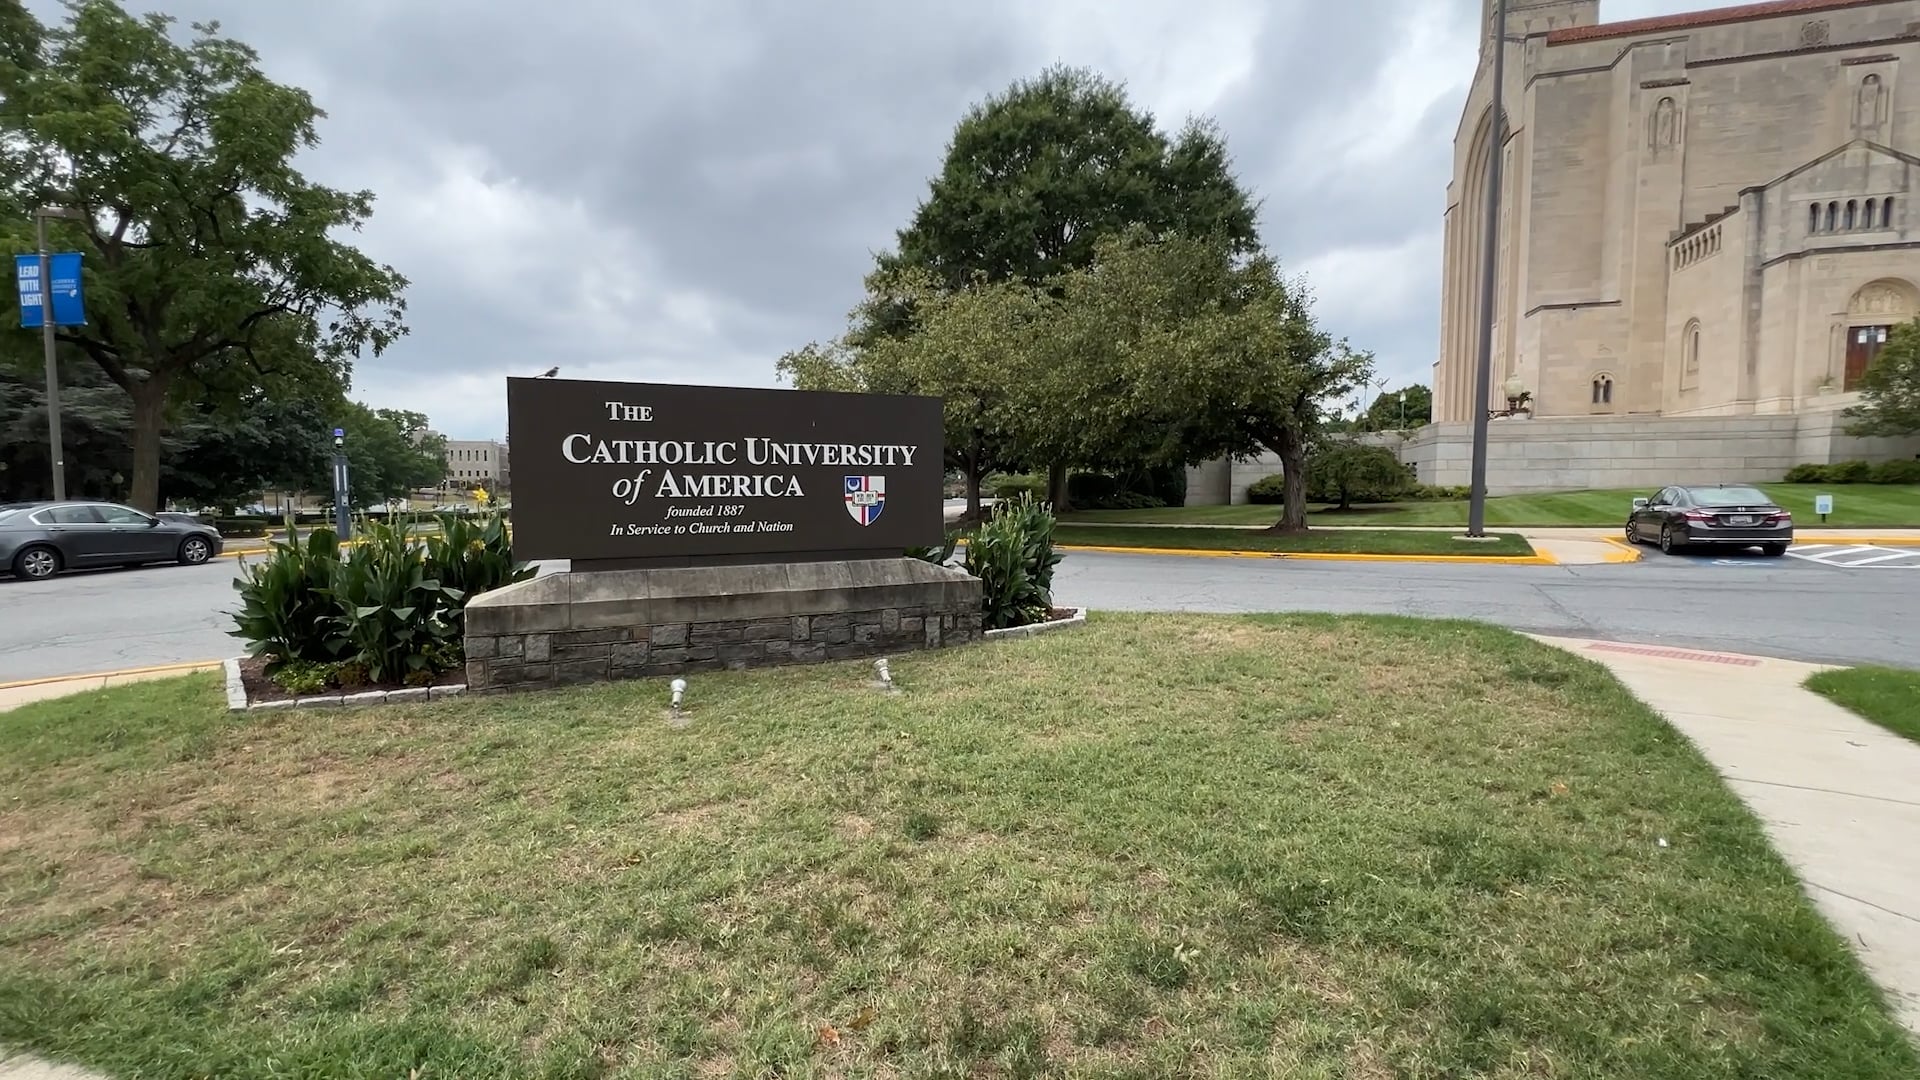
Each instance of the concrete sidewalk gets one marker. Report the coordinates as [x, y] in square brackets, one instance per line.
[1835, 792]
[14, 695]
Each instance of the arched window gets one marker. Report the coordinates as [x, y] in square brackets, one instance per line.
[1886, 212]
[1852, 208]
[1690, 346]
[1813, 218]
[1833, 216]
[1603, 389]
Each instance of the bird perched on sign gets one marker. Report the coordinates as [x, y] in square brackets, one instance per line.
[550, 373]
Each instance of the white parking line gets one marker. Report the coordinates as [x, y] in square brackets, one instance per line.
[1846, 558]
[1884, 558]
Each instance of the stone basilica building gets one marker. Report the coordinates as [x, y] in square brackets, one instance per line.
[1708, 225]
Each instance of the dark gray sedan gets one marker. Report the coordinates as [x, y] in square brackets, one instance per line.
[1716, 515]
[38, 540]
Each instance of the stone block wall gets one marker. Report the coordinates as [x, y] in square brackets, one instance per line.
[556, 657]
[560, 629]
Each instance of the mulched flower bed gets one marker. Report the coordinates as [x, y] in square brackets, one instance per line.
[253, 675]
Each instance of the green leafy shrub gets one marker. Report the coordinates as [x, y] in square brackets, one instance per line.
[1438, 491]
[938, 555]
[305, 676]
[1807, 474]
[1348, 473]
[1012, 485]
[472, 556]
[1095, 491]
[286, 608]
[1849, 472]
[1268, 490]
[389, 609]
[1012, 554]
[1903, 471]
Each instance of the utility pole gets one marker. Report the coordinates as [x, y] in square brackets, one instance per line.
[54, 441]
[1489, 279]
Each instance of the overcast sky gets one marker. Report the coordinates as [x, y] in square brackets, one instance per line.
[633, 189]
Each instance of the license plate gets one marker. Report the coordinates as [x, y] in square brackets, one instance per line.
[1739, 519]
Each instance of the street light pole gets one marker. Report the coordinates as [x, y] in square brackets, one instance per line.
[1489, 279]
[54, 441]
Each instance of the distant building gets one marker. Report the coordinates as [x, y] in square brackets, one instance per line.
[476, 463]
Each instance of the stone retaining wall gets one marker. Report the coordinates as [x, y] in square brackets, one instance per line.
[591, 627]
[570, 656]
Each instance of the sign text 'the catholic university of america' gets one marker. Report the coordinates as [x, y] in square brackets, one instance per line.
[605, 470]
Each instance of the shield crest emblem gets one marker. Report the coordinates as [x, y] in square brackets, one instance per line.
[866, 496]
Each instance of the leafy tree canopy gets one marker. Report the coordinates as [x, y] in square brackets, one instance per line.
[1890, 389]
[1399, 410]
[213, 271]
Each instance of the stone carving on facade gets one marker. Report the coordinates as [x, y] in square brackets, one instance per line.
[1880, 298]
[1666, 125]
[1814, 33]
[1869, 104]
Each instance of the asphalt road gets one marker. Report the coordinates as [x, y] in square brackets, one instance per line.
[1793, 608]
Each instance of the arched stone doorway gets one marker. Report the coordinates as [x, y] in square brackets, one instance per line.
[1875, 309]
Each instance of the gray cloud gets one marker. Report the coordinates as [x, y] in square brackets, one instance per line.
[683, 191]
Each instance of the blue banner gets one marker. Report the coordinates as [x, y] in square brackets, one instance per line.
[69, 308]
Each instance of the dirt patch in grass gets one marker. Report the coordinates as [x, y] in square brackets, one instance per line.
[1162, 846]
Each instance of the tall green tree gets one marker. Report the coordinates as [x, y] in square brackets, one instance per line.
[976, 348]
[1890, 389]
[211, 457]
[212, 267]
[1208, 353]
[1036, 177]
[390, 453]
[1399, 410]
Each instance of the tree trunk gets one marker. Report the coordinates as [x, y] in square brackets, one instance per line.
[149, 417]
[1292, 450]
[1057, 488]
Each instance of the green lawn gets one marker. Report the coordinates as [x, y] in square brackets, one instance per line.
[1342, 541]
[1855, 506]
[1308, 847]
[1889, 697]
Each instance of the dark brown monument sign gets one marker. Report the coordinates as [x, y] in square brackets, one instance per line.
[636, 474]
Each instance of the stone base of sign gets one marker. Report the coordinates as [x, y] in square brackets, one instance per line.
[596, 626]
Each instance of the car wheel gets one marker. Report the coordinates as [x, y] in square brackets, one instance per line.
[1633, 533]
[37, 563]
[1775, 550]
[1667, 544]
[195, 550]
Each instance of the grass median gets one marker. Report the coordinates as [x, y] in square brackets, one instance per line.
[1856, 506]
[1889, 697]
[1319, 541]
[1304, 846]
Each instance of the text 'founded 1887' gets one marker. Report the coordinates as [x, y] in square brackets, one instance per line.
[616, 471]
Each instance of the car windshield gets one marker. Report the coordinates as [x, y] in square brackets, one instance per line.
[1729, 496]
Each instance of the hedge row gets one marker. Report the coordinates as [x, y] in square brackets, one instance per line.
[1856, 472]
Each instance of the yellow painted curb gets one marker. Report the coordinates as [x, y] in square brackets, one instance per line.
[194, 665]
[1536, 559]
[1628, 553]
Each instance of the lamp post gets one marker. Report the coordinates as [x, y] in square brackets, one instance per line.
[54, 441]
[1489, 278]
[342, 485]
